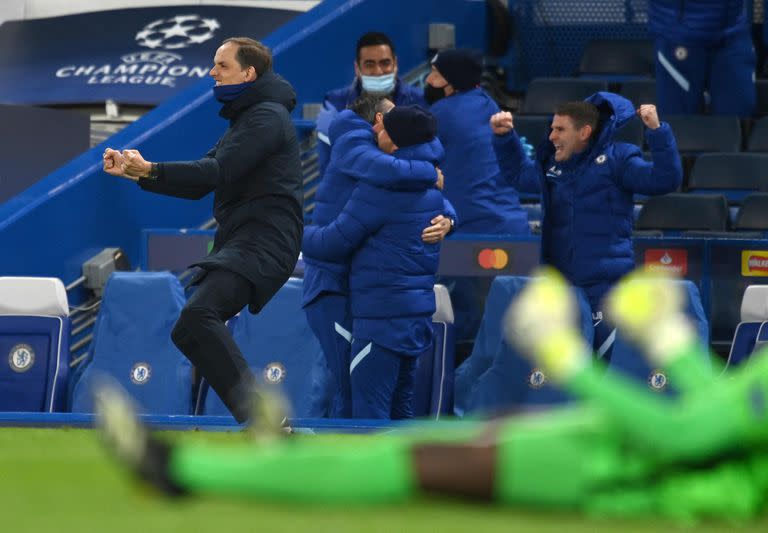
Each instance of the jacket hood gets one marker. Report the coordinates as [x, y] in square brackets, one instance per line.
[615, 112]
[431, 151]
[345, 122]
[269, 87]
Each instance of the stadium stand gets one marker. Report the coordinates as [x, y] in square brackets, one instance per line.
[678, 212]
[132, 345]
[617, 60]
[696, 134]
[639, 91]
[115, 214]
[761, 108]
[758, 136]
[753, 214]
[544, 94]
[735, 175]
[495, 377]
[754, 314]
[34, 333]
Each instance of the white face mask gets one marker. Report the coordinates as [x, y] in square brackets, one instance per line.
[378, 84]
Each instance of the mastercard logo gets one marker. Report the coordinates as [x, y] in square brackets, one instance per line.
[493, 259]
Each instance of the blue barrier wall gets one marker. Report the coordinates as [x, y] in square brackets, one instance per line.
[71, 214]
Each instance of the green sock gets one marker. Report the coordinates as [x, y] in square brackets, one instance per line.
[351, 470]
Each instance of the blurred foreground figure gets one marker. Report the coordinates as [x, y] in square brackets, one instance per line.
[625, 452]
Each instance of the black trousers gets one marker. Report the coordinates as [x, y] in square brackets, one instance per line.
[202, 336]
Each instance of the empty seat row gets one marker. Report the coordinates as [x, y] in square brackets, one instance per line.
[735, 175]
[544, 94]
[682, 213]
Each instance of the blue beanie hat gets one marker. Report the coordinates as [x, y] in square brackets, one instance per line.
[462, 68]
[410, 124]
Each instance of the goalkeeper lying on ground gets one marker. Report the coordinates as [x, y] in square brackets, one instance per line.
[624, 452]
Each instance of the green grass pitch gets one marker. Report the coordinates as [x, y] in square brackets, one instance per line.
[60, 480]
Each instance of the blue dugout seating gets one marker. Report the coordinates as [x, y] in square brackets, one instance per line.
[34, 339]
[495, 377]
[132, 345]
[751, 332]
[283, 352]
[627, 359]
[433, 389]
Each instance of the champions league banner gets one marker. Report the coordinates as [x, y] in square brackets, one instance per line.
[133, 56]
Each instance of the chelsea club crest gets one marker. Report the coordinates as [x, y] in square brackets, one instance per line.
[21, 358]
[274, 373]
[536, 379]
[657, 381]
[601, 159]
[140, 373]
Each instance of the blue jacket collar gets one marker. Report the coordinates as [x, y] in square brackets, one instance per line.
[344, 122]
[430, 151]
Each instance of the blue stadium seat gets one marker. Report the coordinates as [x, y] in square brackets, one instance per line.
[697, 134]
[495, 377]
[132, 345]
[544, 94]
[639, 92]
[735, 175]
[678, 212]
[753, 214]
[754, 314]
[628, 360]
[433, 389]
[34, 341]
[617, 60]
[282, 351]
[761, 342]
[758, 136]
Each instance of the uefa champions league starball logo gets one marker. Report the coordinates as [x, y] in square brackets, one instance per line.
[21, 358]
[177, 32]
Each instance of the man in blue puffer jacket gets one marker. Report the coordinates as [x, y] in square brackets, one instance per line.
[355, 157]
[701, 46]
[587, 183]
[392, 271]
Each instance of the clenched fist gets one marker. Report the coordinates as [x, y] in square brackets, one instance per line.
[502, 122]
[134, 164]
[649, 116]
[113, 163]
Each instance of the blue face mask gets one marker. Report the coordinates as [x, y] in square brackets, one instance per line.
[378, 84]
[227, 93]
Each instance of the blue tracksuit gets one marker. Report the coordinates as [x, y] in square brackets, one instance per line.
[485, 202]
[338, 100]
[391, 285]
[355, 157]
[703, 45]
[587, 201]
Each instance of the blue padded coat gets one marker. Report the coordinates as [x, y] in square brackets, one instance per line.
[587, 201]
